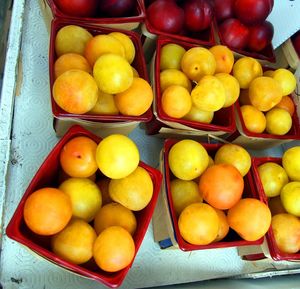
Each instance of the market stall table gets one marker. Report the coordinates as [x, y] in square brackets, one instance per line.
[31, 140]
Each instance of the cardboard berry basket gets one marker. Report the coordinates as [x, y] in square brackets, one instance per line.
[46, 176]
[264, 140]
[270, 249]
[291, 54]
[51, 10]
[169, 235]
[222, 125]
[101, 125]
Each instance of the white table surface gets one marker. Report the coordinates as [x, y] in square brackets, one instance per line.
[32, 139]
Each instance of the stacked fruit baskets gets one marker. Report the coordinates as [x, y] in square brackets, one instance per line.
[259, 112]
[248, 57]
[95, 62]
[214, 91]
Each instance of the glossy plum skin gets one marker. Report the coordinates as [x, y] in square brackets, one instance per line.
[234, 33]
[253, 12]
[79, 8]
[260, 36]
[223, 9]
[198, 15]
[166, 16]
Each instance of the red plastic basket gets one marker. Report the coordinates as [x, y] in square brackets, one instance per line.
[47, 175]
[139, 64]
[254, 257]
[293, 134]
[224, 119]
[267, 54]
[232, 239]
[205, 37]
[275, 253]
[137, 15]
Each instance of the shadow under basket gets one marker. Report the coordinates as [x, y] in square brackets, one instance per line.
[47, 176]
[273, 250]
[223, 123]
[232, 239]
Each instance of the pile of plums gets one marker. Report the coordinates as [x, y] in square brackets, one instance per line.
[171, 16]
[242, 23]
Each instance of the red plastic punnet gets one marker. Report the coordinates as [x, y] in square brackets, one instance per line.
[138, 63]
[205, 37]
[232, 239]
[136, 16]
[275, 253]
[46, 176]
[293, 134]
[224, 119]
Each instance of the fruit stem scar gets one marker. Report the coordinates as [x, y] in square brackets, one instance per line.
[77, 155]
